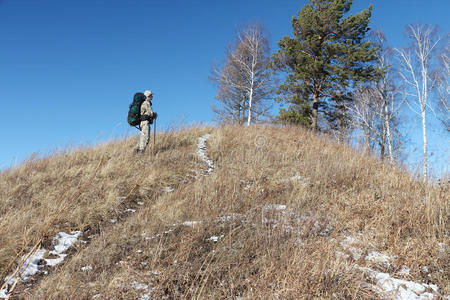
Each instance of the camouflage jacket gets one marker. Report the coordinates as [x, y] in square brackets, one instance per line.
[146, 108]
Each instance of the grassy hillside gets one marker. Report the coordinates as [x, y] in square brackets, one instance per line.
[284, 214]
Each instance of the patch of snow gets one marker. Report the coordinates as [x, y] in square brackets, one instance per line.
[378, 258]
[404, 271]
[54, 261]
[393, 288]
[139, 286]
[274, 207]
[387, 286]
[86, 268]
[31, 266]
[441, 247]
[168, 189]
[113, 220]
[214, 238]
[139, 251]
[131, 210]
[140, 203]
[63, 241]
[230, 218]
[191, 223]
[201, 152]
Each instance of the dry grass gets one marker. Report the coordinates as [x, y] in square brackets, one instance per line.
[261, 253]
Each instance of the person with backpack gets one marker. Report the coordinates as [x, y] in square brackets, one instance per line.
[141, 113]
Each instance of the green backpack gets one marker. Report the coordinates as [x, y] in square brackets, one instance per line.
[134, 113]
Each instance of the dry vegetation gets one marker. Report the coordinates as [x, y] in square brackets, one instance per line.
[331, 192]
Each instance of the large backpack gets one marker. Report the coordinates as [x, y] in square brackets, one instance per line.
[134, 113]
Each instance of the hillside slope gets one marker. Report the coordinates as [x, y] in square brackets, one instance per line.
[250, 213]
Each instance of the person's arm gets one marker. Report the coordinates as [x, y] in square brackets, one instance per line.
[146, 109]
[153, 114]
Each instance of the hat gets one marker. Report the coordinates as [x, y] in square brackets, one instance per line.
[148, 93]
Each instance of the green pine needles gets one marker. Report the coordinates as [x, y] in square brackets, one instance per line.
[323, 60]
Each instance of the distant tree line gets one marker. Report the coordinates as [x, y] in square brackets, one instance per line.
[339, 77]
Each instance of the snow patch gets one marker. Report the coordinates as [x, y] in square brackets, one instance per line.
[214, 238]
[201, 152]
[230, 218]
[168, 189]
[386, 286]
[63, 241]
[274, 207]
[54, 261]
[86, 268]
[33, 264]
[191, 223]
[141, 287]
[392, 288]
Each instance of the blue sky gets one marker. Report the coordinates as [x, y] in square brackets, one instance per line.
[68, 69]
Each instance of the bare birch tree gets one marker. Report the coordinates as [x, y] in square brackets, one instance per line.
[246, 82]
[363, 115]
[374, 113]
[443, 89]
[416, 62]
[232, 99]
[375, 107]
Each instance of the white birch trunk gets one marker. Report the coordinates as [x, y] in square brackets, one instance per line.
[425, 155]
[388, 134]
[250, 98]
[424, 43]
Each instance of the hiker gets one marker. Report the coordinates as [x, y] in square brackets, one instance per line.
[147, 117]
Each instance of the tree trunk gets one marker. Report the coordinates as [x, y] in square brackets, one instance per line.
[239, 111]
[315, 110]
[366, 139]
[383, 142]
[388, 133]
[425, 156]
[250, 107]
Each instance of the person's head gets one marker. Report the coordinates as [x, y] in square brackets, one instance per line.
[148, 94]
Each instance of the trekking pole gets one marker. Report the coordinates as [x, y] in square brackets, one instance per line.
[154, 138]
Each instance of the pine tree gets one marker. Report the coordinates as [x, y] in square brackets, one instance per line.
[326, 57]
